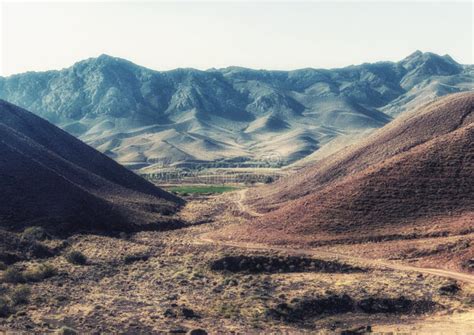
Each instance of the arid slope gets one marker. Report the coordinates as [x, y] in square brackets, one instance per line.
[51, 179]
[413, 177]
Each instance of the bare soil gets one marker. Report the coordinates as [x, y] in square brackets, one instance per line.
[162, 282]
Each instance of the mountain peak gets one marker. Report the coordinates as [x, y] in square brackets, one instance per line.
[419, 58]
[107, 59]
[103, 60]
[422, 65]
[106, 56]
[416, 54]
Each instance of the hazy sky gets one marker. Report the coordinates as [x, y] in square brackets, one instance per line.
[280, 35]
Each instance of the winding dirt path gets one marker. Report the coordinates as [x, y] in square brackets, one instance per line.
[463, 277]
[240, 202]
[239, 199]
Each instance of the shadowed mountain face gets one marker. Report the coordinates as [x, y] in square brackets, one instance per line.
[51, 179]
[144, 118]
[413, 176]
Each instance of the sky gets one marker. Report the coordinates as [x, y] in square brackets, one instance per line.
[37, 36]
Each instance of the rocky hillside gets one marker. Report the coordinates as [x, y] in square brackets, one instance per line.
[49, 178]
[144, 118]
[411, 178]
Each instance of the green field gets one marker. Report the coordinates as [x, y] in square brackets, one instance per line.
[201, 189]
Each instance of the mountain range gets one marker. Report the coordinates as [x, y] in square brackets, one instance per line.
[147, 119]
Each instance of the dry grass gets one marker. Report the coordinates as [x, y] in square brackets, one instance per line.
[174, 287]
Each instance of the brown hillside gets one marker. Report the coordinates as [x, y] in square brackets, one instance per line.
[437, 118]
[414, 177]
[49, 178]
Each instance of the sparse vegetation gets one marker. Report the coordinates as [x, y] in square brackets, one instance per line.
[339, 304]
[268, 180]
[39, 250]
[20, 295]
[4, 308]
[39, 273]
[35, 234]
[76, 258]
[188, 284]
[129, 259]
[276, 264]
[34, 274]
[13, 275]
[201, 189]
[64, 330]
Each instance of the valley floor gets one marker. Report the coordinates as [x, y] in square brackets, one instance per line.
[180, 280]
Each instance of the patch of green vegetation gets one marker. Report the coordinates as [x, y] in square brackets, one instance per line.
[201, 189]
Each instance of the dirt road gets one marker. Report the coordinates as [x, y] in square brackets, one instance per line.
[240, 203]
[325, 254]
[239, 198]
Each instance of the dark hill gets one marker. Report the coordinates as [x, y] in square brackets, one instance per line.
[48, 178]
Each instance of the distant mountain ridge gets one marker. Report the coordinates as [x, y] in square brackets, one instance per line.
[145, 118]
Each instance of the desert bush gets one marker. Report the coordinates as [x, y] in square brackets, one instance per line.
[4, 308]
[76, 258]
[3, 266]
[39, 273]
[35, 234]
[276, 264]
[39, 250]
[13, 275]
[129, 259]
[64, 330]
[268, 180]
[35, 274]
[8, 258]
[20, 295]
[399, 305]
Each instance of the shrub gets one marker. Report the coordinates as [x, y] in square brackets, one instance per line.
[9, 258]
[39, 272]
[4, 308]
[39, 250]
[76, 258]
[129, 259]
[3, 266]
[64, 330]
[268, 180]
[13, 275]
[35, 234]
[20, 295]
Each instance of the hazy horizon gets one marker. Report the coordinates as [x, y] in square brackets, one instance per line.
[273, 36]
